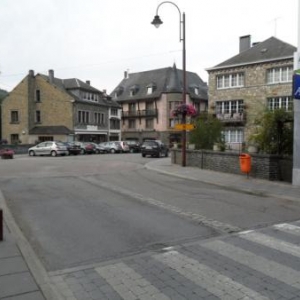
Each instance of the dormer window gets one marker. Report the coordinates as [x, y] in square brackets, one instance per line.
[133, 90]
[119, 92]
[151, 88]
[196, 90]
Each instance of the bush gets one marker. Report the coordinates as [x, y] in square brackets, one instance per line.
[208, 132]
[274, 132]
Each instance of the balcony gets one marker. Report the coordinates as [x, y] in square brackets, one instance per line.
[232, 117]
[140, 113]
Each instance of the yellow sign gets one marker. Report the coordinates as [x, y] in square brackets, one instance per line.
[184, 126]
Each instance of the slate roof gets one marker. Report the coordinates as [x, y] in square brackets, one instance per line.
[73, 83]
[271, 49]
[165, 80]
[50, 130]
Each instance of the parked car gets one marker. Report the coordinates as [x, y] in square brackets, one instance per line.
[7, 153]
[124, 146]
[154, 148]
[52, 148]
[86, 148]
[134, 146]
[99, 149]
[112, 147]
[73, 148]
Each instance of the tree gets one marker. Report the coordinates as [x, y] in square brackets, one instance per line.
[274, 132]
[208, 131]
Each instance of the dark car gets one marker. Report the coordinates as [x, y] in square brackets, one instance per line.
[73, 148]
[154, 148]
[134, 146]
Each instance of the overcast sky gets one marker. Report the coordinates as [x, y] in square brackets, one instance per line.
[98, 40]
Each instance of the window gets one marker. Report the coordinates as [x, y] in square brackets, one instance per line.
[115, 124]
[14, 138]
[131, 124]
[229, 107]
[83, 116]
[149, 90]
[114, 111]
[280, 74]
[99, 118]
[230, 81]
[149, 123]
[38, 116]
[285, 103]
[149, 105]
[133, 90]
[233, 135]
[131, 106]
[38, 96]
[14, 116]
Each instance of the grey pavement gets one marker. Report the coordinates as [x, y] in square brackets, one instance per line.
[255, 264]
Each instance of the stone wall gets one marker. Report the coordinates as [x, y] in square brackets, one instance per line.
[269, 167]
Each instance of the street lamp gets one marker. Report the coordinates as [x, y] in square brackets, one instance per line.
[157, 22]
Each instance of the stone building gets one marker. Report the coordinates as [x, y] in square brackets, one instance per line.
[259, 77]
[43, 107]
[148, 98]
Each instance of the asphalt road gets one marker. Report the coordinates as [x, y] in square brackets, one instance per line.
[88, 209]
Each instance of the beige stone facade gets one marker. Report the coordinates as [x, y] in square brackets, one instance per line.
[256, 93]
[43, 107]
[55, 107]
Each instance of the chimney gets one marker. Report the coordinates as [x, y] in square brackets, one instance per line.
[126, 75]
[51, 76]
[88, 82]
[245, 43]
[31, 73]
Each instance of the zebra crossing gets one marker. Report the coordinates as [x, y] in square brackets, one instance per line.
[255, 264]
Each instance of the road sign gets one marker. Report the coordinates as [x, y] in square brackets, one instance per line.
[296, 86]
[185, 126]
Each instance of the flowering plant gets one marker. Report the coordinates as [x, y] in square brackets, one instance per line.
[184, 109]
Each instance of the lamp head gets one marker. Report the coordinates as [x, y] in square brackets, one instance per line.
[156, 21]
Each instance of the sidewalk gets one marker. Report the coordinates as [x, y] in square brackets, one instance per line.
[250, 185]
[16, 281]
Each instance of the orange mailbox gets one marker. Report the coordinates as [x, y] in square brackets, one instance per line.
[245, 163]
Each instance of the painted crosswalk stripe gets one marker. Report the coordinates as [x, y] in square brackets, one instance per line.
[270, 268]
[289, 228]
[271, 242]
[128, 283]
[206, 277]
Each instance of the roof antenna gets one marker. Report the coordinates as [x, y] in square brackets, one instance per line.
[275, 25]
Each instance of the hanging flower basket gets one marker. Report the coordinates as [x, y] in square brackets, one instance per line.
[184, 110]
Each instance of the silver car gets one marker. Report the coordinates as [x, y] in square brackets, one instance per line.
[112, 147]
[48, 148]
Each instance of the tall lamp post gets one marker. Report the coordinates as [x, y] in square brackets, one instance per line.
[157, 22]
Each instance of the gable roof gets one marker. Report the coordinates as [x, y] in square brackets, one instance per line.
[269, 50]
[165, 80]
[70, 84]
